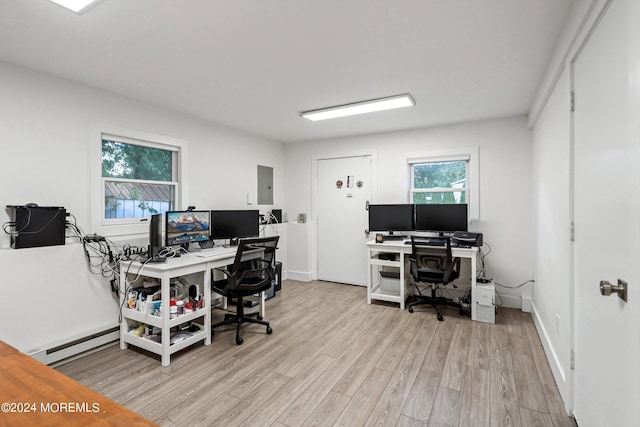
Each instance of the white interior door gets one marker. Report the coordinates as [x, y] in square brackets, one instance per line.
[607, 331]
[343, 189]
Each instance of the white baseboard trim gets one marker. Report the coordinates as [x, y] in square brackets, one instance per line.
[509, 301]
[301, 276]
[559, 373]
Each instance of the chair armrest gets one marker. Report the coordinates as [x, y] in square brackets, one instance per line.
[223, 271]
[453, 265]
[254, 272]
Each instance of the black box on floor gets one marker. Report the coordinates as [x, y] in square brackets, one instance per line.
[278, 286]
[37, 226]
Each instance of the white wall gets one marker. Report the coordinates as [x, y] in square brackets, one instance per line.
[574, 23]
[552, 207]
[505, 189]
[47, 293]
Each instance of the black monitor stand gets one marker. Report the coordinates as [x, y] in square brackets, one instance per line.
[154, 258]
[185, 246]
[392, 236]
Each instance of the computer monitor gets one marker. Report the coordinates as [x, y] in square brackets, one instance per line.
[184, 227]
[443, 219]
[234, 224]
[391, 218]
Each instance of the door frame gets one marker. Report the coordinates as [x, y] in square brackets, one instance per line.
[314, 194]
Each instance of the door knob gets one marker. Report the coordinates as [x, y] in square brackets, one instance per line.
[607, 289]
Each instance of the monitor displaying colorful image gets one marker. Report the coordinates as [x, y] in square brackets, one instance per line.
[184, 227]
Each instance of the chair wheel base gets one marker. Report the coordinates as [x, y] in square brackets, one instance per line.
[440, 318]
[269, 330]
[239, 340]
[410, 309]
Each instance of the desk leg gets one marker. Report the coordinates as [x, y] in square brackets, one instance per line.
[473, 286]
[207, 306]
[263, 301]
[369, 274]
[123, 296]
[401, 283]
[165, 284]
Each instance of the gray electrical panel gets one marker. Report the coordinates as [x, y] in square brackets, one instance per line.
[265, 185]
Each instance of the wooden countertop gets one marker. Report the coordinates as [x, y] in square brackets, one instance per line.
[31, 393]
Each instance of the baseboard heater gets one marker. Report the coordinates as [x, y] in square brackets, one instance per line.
[76, 347]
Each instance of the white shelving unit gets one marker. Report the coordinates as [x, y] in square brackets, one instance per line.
[384, 282]
[189, 264]
[149, 319]
[173, 268]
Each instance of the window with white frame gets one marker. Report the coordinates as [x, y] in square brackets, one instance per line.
[439, 182]
[443, 178]
[139, 175]
[138, 178]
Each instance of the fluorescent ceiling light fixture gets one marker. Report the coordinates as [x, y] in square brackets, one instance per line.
[78, 6]
[380, 104]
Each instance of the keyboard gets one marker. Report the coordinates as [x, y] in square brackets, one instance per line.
[439, 244]
[429, 242]
[216, 251]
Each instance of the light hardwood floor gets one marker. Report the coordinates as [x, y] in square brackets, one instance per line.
[333, 360]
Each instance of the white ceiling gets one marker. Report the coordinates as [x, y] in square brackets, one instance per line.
[256, 64]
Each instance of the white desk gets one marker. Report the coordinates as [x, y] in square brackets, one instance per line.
[375, 290]
[174, 267]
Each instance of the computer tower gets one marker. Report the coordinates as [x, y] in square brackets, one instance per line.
[485, 302]
[37, 226]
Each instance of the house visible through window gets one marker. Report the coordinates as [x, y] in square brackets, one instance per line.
[138, 179]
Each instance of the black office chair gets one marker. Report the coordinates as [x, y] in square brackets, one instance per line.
[434, 266]
[245, 278]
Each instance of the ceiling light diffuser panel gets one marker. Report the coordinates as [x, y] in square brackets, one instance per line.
[77, 6]
[370, 106]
